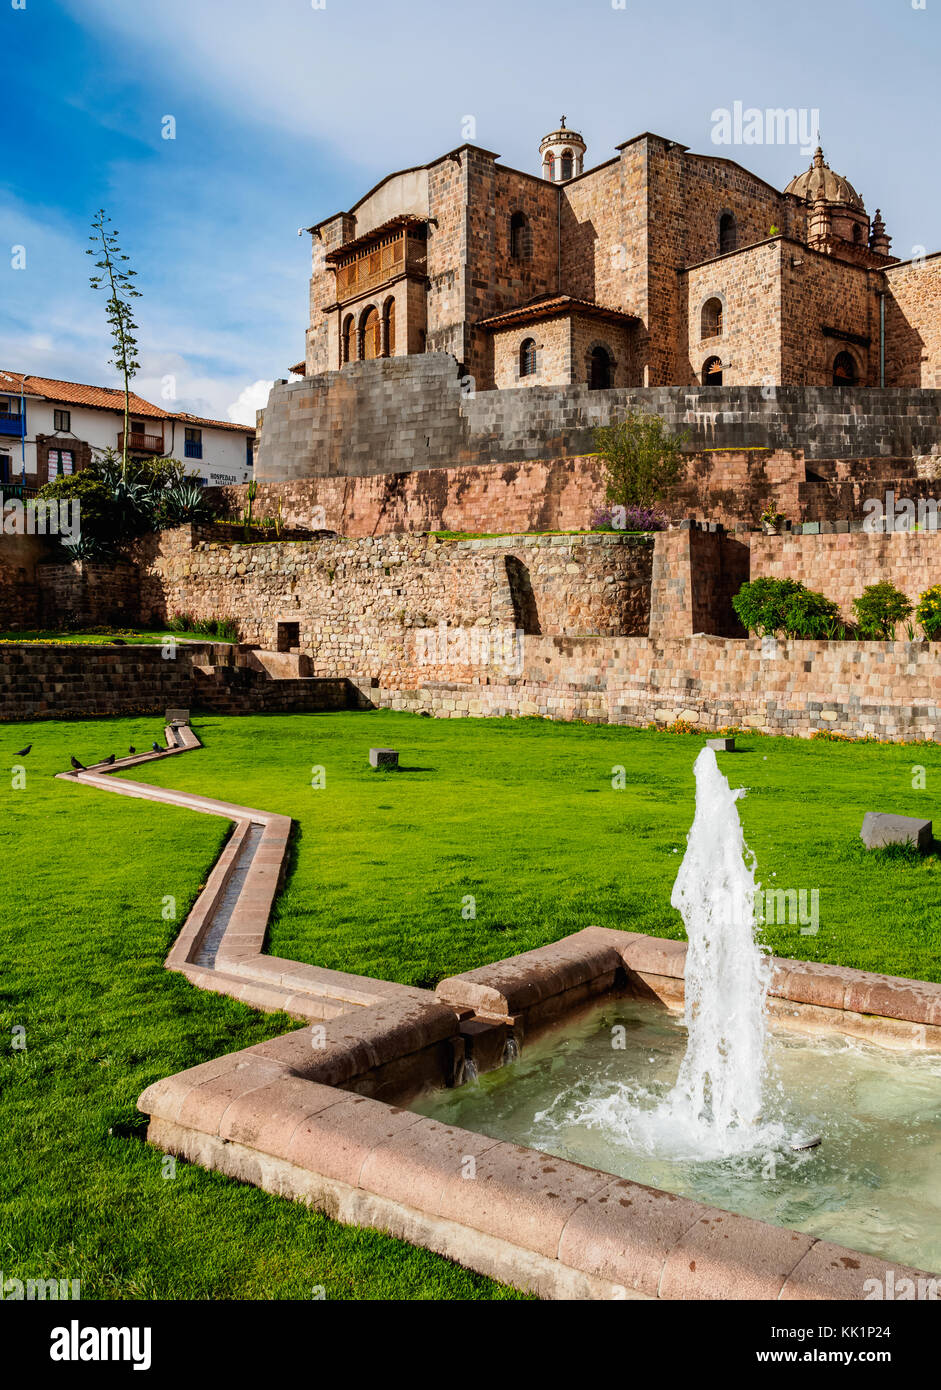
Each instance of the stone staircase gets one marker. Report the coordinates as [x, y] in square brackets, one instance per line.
[249, 680]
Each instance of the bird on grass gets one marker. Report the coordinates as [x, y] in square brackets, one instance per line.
[156, 747]
[79, 767]
[131, 751]
[23, 751]
[106, 762]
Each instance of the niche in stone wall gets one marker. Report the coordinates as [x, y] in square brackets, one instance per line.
[288, 636]
[525, 612]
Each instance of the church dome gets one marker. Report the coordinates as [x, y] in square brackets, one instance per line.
[819, 181]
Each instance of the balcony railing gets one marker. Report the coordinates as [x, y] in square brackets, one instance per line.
[141, 443]
[8, 490]
[12, 424]
[193, 449]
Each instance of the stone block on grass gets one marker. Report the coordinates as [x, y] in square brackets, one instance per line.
[881, 829]
[383, 757]
[721, 745]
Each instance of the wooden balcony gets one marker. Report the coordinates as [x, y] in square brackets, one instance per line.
[367, 271]
[141, 443]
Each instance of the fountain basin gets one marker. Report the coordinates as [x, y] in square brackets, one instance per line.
[319, 1115]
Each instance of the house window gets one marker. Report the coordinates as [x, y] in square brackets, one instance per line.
[520, 241]
[599, 372]
[249, 451]
[528, 357]
[712, 372]
[62, 420]
[728, 233]
[567, 164]
[59, 464]
[9, 405]
[844, 370]
[389, 314]
[193, 444]
[6, 468]
[712, 319]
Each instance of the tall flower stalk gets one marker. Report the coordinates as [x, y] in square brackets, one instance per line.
[117, 279]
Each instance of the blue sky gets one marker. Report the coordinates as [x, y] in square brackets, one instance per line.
[288, 110]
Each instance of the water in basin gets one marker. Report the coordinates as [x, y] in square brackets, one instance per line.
[874, 1184]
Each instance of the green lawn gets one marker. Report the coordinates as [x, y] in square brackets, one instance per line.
[520, 816]
[95, 636]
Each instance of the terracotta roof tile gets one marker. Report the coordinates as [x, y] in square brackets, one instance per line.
[101, 398]
[551, 308]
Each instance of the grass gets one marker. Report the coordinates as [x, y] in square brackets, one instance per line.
[96, 636]
[515, 820]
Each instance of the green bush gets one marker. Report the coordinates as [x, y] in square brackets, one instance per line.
[767, 606]
[642, 460]
[879, 608]
[928, 612]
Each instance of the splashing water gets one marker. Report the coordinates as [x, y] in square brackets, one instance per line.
[715, 1108]
[718, 1092]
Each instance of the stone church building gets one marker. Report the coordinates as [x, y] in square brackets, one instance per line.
[657, 267]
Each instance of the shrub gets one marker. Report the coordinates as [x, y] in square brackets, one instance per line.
[642, 461]
[629, 519]
[879, 608]
[928, 612]
[766, 606]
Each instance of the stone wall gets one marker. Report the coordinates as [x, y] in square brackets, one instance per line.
[841, 566]
[19, 594]
[405, 414]
[87, 593]
[884, 690]
[75, 681]
[913, 322]
[71, 681]
[360, 606]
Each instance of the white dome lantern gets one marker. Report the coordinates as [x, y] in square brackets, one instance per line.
[563, 153]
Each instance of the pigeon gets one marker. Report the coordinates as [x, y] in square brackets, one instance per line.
[106, 762]
[156, 747]
[79, 767]
[132, 750]
[23, 751]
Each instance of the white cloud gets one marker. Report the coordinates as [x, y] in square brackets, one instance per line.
[250, 399]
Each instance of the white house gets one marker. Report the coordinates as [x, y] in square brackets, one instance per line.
[49, 428]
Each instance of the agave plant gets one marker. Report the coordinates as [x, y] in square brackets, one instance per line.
[181, 502]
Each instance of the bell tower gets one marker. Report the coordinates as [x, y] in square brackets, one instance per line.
[562, 152]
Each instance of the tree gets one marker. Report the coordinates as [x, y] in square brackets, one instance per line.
[117, 280]
[642, 460]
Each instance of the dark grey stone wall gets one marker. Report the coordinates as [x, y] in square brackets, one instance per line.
[402, 414]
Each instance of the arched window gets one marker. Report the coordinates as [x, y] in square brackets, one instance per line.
[844, 370]
[389, 316]
[728, 233]
[857, 233]
[566, 164]
[599, 371]
[548, 167]
[371, 330]
[528, 357]
[712, 372]
[349, 339]
[712, 319]
[520, 243]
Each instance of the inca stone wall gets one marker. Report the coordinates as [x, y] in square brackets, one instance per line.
[19, 595]
[360, 605]
[405, 414]
[88, 594]
[884, 690]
